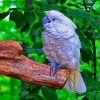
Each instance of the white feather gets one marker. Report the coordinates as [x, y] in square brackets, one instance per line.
[79, 86]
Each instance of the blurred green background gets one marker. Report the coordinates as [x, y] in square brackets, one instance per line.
[20, 20]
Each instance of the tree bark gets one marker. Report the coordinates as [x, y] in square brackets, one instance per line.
[14, 64]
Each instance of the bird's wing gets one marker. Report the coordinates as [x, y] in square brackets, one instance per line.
[68, 51]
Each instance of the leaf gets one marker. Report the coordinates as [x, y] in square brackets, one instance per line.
[53, 1]
[86, 55]
[38, 45]
[71, 4]
[28, 97]
[43, 5]
[87, 73]
[92, 84]
[35, 90]
[18, 17]
[49, 94]
[98, 96]
[62, 1]
[25, 27]
[85, 98]
[3, 15]
[33, 55]
[91, 95]
[95, 12]
[24, 94]
[54, 7]
[32, 86]
[36, 26]
[89, 34]
[11, 9]
[38, 97]
[86, 43]
[97, 37]
[35, 33]
[88, 4]
[84, 16]
[42, 58]
[29, 17]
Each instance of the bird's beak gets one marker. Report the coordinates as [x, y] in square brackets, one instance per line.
[45, 20]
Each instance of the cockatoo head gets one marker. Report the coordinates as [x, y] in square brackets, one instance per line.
[57, 17]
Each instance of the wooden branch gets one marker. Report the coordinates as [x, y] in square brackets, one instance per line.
[16, 65]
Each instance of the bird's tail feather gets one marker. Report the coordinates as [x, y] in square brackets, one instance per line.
[75, 82]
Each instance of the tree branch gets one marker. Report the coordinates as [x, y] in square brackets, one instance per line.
[16, 65]
[94, 57]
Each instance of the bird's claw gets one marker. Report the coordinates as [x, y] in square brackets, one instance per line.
[59, 66]
[55, 67]
[52, 67]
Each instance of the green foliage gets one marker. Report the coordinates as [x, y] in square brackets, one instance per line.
[62, 1]
[9, 88]
[49, 94]
[24, 25]
[18, 17]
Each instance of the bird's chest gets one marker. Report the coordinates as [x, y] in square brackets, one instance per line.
[53, 48]
[51, 43]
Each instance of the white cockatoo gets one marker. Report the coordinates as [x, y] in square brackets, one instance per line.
[61, 46]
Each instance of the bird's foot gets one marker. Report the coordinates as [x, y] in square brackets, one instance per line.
[55, 67]
[52, 67]
[58, 67]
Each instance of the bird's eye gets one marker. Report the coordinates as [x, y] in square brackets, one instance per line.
[54, 19]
